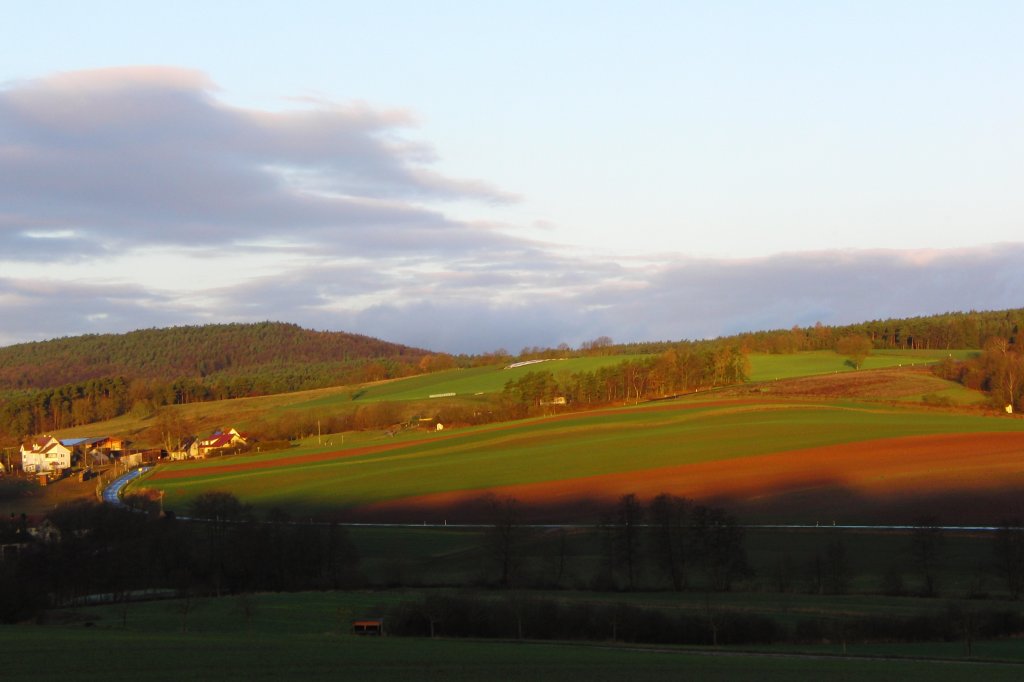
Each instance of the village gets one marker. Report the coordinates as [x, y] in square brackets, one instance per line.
[49, 458]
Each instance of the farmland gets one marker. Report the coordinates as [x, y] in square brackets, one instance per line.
[303, 636]
[816, 443]
[781, 457]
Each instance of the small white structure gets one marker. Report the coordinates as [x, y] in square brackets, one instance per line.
[187, 449]
[221, 440]
[44, 454]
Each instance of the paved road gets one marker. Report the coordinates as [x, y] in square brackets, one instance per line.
[112, 493]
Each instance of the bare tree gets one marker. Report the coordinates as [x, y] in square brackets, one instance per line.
[629, 514]
[503, 537]
[925, 543]
[1008, 552]
[718, 545]
[669, 518]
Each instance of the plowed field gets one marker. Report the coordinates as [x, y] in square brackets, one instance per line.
[959, 478]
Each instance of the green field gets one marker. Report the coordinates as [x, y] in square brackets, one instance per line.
[482, 380]
[472, 386]
[303, 637]
[767, 367]
[464, 383]
[553, 449]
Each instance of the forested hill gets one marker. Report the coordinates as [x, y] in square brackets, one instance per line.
[192, 351]
[943, 331]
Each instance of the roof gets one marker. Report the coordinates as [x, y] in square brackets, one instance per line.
[73, 442]
[221, 440]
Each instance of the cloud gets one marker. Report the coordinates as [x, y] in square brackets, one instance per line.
[44, 309]
[149, 155]
[542, 299]
[330, 216]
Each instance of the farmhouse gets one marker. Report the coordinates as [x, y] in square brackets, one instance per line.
[187, 449]
[44, 454]
[95, 450]
[221, 440]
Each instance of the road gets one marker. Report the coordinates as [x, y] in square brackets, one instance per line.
[112, 493]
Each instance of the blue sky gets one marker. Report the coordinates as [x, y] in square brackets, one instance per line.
[464, 176]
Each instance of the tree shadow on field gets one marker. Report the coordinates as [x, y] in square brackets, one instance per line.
[820, 501]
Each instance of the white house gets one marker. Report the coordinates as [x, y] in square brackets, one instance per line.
[44, 454]
[221, 440]
[187, 449]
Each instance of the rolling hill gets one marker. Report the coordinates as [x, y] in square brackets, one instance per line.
[179, 352]
[851, 445]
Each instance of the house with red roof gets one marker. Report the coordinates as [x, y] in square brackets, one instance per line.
[221, 440]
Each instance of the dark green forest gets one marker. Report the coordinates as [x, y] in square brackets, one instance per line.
[193, 351]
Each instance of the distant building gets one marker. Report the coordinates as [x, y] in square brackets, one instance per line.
[44, 454]
[95, 450]
[221, 440]
[187, 449]
[369, 626]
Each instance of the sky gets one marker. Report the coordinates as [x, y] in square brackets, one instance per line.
[465, 177]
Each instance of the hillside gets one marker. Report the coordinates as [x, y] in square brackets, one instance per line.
[177, 352]
[51, 385]
[772, 457]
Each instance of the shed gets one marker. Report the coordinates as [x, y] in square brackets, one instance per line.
[371, 626]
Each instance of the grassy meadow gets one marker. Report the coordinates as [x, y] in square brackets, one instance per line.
[473, 385]
[304, 637]
[464, 383]
[314, 477]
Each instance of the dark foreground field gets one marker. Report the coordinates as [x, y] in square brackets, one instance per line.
[304, 637]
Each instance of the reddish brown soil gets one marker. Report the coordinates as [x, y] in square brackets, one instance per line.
[957, 477]
[875, 384]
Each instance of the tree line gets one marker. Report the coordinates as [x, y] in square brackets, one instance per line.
[512, 616]
[69, 382]
[28, 411]
[101, 549]
[681, 368]
[666, 541]
[670, 542]
[946, 331]
[998, 370]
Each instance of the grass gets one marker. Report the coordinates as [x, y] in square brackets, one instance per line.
[468, 385]
[585, 444]
[116, 655]
[766, 367]
[465, 383]
[301, 637]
